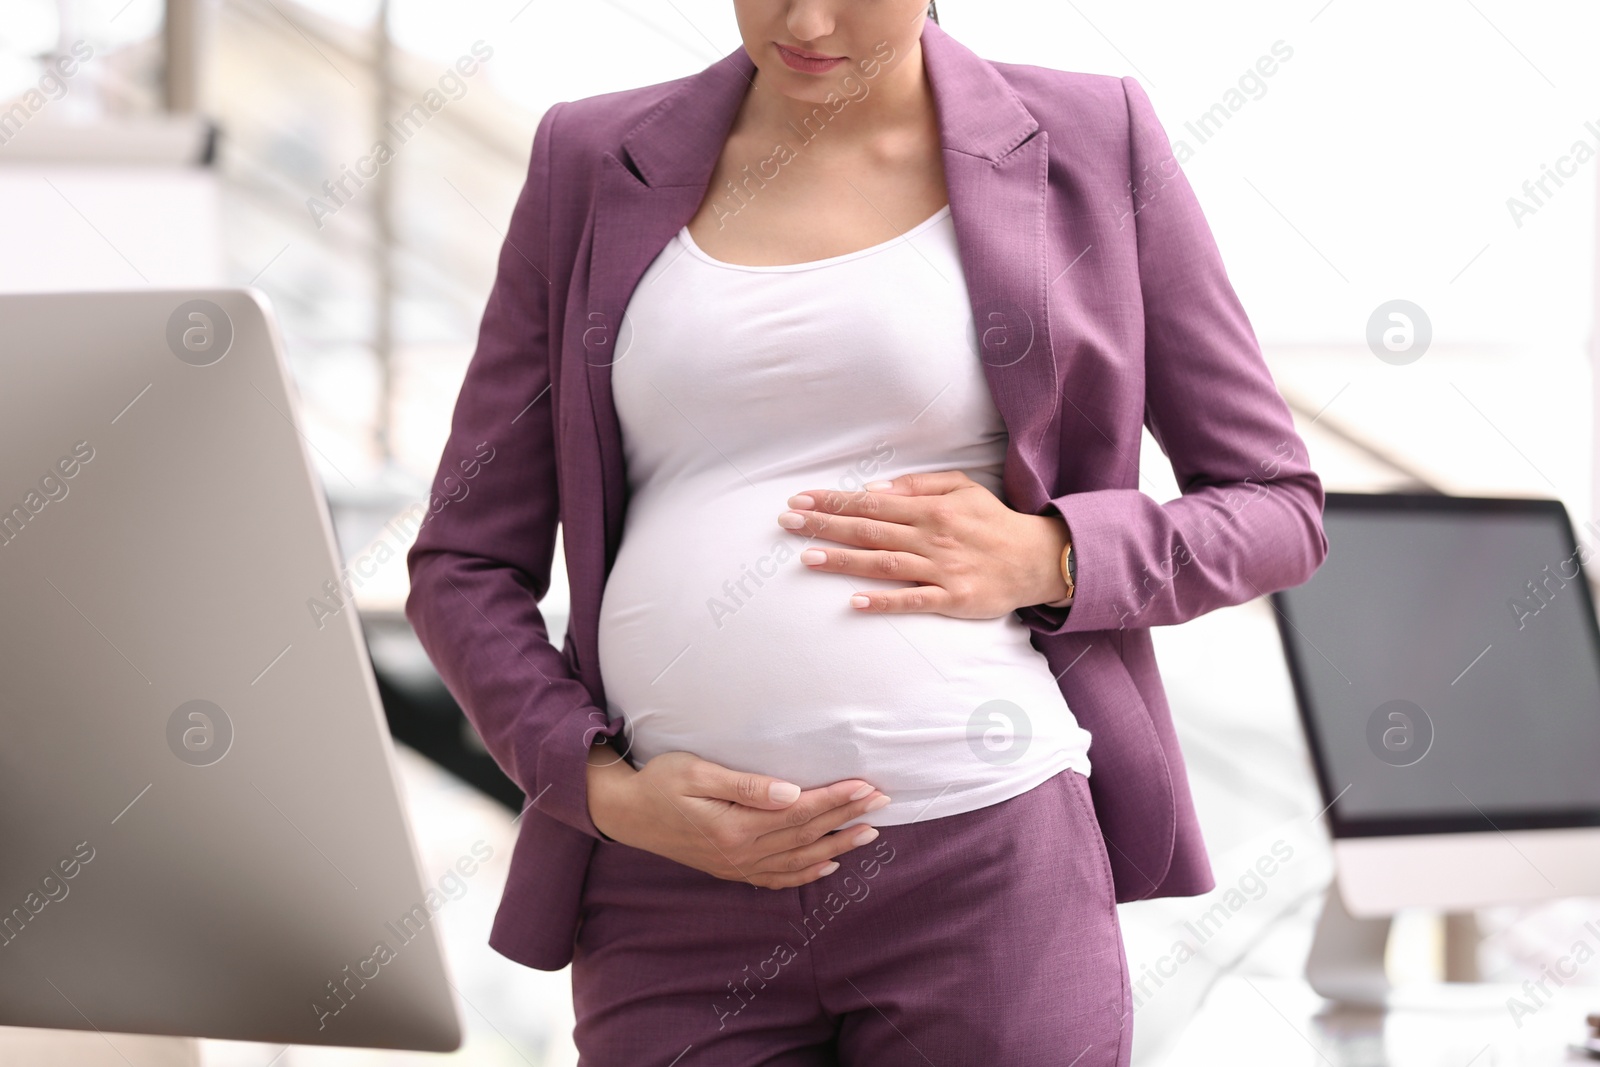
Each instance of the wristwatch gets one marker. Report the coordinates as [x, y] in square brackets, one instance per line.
[1069, 572]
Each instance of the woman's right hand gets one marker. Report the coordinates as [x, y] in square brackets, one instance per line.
[732, 824]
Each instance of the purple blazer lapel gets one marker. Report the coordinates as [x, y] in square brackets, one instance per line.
[995, 169]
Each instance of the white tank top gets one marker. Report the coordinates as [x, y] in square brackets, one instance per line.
[738, 387]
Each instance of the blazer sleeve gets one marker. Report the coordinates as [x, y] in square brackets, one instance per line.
[481, 561]
[1249, 520]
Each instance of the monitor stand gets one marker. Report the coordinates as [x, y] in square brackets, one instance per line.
[1346, 962]
[1346, 959]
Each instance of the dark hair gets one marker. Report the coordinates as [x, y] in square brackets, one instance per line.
[933, 10]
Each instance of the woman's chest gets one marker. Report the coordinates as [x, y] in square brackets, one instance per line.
[770, 368]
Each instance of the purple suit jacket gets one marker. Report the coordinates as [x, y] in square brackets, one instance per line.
[1101, 306]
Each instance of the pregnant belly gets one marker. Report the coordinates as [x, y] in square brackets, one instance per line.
[715, 639]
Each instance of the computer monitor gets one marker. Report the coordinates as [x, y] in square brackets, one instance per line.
[201, 830]
[1446, 662]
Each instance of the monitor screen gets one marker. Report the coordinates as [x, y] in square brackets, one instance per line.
[1447, 665]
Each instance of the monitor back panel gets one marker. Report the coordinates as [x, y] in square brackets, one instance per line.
[200, 825]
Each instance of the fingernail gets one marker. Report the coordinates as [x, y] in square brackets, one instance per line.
[866, 835]
[813, 556]
[879, 804]
[783, 792]
[877, 487]
[859, 793]
[803, 502]
[859, 601]
[829, 868]
[791, 520]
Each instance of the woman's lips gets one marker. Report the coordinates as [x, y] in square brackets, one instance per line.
[806, 63]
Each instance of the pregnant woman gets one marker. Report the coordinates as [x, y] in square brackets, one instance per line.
[831, 363]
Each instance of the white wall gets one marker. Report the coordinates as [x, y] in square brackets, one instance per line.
[75, 227]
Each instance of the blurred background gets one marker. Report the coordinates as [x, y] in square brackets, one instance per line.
[1436, 152]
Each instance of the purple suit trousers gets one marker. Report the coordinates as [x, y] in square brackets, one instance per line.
[988, 937]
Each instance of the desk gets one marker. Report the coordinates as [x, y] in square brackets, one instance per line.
[1263, 1021]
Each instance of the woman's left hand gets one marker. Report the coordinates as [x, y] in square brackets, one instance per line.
[971, 556]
